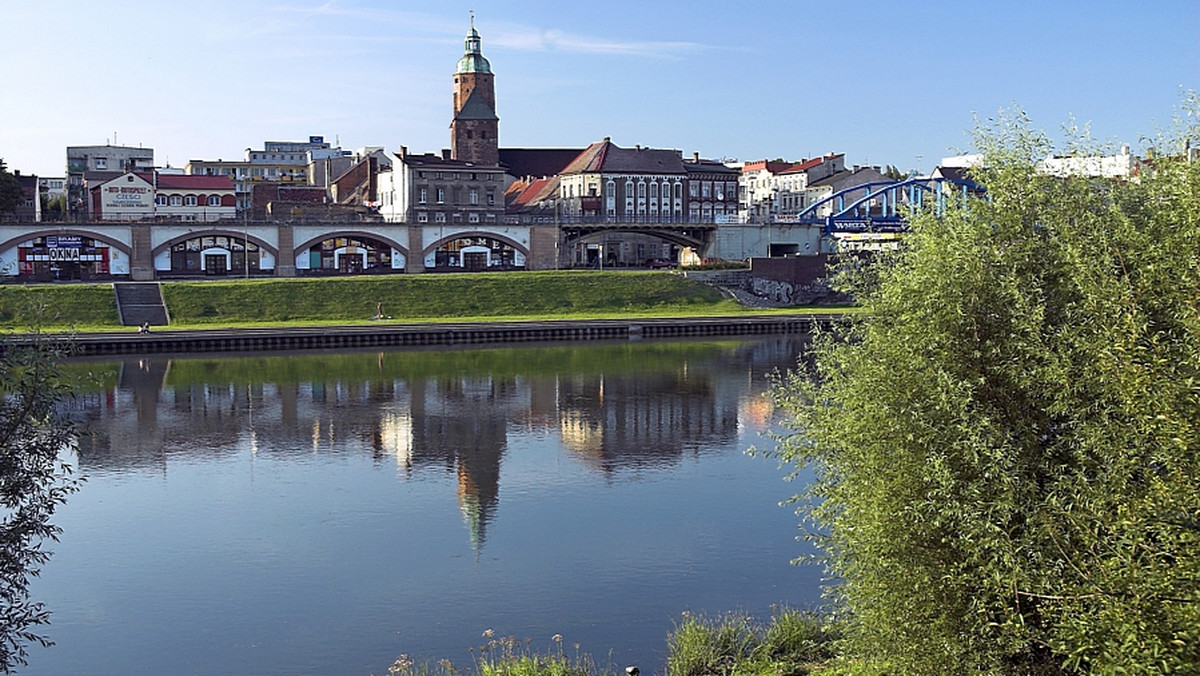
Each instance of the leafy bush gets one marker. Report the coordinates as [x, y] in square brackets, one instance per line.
[1006, 438]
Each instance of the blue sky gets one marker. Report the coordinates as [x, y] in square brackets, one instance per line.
[885, 82]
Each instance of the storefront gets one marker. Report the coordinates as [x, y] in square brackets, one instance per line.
[473, 254]
[350, 256]
[68, 257]
[214, 256]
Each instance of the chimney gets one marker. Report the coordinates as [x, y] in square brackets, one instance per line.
[696, 156]
[403, 151]
[445, 153]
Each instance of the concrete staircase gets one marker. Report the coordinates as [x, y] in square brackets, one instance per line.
[139, 302]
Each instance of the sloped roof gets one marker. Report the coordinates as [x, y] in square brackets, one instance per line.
[530, 196]
[476, 108]
[536, 162]
[605, 157]
[710, 167]
[848, 179]
[954, 173]
[193, 182]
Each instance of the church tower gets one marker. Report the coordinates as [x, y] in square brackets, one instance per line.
[475, 131]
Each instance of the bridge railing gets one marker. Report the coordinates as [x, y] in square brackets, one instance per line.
[643, 220]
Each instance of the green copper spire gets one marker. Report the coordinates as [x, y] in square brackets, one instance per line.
[472, 60]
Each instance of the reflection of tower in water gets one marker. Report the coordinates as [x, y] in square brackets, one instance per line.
[462, 424]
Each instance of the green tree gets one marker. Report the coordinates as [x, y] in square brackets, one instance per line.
[10, 190]
[1007, 440]
[34, 481]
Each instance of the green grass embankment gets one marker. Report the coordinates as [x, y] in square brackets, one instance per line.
[439, 297]
[353, 300]
[54, 306]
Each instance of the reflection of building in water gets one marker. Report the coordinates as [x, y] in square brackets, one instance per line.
[461, 423]
[644, 420]
[162, 411]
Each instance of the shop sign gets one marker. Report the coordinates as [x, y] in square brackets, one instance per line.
[64, 254]
[64, 241]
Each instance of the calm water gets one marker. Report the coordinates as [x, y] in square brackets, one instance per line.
[322, 514]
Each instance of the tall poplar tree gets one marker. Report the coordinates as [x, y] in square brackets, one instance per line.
[1007, 440]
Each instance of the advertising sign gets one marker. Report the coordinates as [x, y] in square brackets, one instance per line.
[127, 195]
[64, 241]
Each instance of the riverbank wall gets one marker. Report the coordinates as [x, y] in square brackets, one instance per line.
[436, 334]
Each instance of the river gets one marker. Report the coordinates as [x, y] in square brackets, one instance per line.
[324, 513]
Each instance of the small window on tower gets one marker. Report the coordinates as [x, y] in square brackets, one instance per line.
[470, 134]
[483, 134]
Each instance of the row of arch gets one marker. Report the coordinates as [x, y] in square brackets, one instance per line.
[221, 251]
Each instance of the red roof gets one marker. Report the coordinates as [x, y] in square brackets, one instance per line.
[190, 182]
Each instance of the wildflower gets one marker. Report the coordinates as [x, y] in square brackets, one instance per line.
[402, 664]
[488, 633]
[557, 638]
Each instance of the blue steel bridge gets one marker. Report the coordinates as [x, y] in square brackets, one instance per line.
[882, 206]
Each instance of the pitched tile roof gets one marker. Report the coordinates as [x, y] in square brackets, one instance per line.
[607, 157]
[193, 182]
[530, 196]
[536, 162]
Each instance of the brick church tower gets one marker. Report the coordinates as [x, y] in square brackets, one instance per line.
[475, 131]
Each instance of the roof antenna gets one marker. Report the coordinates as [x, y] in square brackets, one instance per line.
[472, 12]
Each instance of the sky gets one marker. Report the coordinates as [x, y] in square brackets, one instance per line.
[885, 82]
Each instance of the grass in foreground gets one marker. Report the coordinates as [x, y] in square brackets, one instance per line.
[792, 643]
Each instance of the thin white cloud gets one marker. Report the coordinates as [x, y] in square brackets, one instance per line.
[440, 28]
[548, 40]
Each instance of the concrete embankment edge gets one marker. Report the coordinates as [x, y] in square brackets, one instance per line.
[420, 335]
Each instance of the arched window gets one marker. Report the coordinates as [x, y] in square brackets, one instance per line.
[214, 200]
[189, 201]
[176, 201]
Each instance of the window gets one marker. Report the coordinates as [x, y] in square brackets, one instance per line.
[706, 190]
[422, 217]
[161, 200]
[693, 189]
[441, 195]
[439, 217]
[189, 201]
[491, 198]
[474, 196]
[176, 201]
[101, 162]
[472, 217]
[422, 195]
[214, 200]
